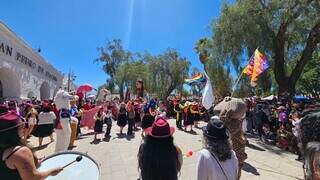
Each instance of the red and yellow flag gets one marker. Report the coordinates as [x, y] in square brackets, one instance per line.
[258, 63]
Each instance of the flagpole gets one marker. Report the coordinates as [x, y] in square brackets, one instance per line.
[235, 85]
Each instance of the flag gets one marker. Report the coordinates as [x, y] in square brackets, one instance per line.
[198, 78]
[249, 68]
[258, 63]
[207, 95]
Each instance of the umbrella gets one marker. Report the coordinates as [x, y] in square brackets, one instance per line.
[85, 88]
[301, 98]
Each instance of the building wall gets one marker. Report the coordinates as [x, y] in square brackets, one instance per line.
[23, 71]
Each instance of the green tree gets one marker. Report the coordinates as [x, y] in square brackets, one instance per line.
[215, 66]
[309, 83]
[112, 56]
[167, 72]
[287, 31]
[129, 72]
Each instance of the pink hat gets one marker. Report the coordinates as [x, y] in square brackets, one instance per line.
[160, 129]
[9, 120]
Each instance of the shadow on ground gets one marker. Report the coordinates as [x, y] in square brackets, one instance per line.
[252, 146]
[250, 169]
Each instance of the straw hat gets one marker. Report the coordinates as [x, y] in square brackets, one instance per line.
[233, 108]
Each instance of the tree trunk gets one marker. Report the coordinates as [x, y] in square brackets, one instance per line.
[286, 89]
[121, 92]
[287, 84]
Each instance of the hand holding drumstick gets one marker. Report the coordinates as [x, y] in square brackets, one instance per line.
[56, 171]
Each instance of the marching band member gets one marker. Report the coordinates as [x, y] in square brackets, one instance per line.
[17, 160]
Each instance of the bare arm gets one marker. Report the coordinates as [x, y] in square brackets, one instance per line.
[23, 161]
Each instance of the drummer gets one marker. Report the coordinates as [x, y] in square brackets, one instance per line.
[17, 160]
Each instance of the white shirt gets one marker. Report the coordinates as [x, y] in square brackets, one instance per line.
[296, 128]
[46, 118]
[209, 169]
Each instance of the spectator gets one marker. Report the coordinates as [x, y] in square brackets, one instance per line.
[158, 157]
[260, 119]
[217, 161]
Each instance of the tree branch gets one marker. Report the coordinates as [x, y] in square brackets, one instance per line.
[312, 42]
[264, 6]
[280, 39]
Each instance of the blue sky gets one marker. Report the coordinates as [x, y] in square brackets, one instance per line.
[69, 31]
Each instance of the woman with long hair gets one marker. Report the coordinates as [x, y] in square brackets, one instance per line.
[158, 157]
[217, 160]
[17, 160]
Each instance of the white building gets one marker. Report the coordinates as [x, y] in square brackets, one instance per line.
[23, 72]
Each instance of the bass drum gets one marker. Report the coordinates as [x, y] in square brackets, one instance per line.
[86, 169]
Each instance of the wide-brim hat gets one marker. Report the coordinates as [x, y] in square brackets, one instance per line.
[281, 108]
[160, 129]
[233, 108]
[215, 129]
[187, 103]
[9, 120]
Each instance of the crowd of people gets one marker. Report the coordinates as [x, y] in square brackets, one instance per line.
[278, 121]
[290, 126]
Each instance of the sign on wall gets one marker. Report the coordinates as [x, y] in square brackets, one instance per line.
[9, 51]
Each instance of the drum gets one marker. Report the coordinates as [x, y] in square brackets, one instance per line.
[86, 169]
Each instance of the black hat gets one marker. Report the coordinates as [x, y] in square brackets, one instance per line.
[215, 129]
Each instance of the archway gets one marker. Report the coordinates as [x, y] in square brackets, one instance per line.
[10, 84]
[44, 91]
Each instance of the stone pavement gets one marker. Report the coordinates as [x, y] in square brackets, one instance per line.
[118, 157]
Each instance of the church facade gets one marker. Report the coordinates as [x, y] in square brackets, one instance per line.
[24, 73]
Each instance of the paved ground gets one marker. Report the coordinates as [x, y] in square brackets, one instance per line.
[118, 157]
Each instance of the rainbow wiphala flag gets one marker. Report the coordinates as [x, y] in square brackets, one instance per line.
[258, 63]
[196, 79]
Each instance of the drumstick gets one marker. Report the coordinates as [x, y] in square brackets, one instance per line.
[78, 159]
